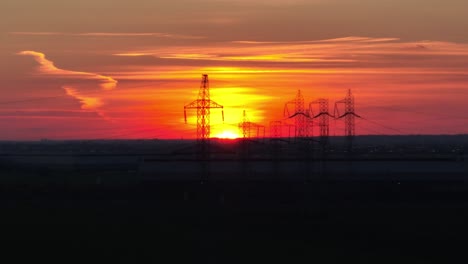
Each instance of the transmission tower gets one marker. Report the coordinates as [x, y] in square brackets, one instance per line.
[203, 105]
[349, 116]
[350, 129]
[246, 126]
[323, 115]
[300, 115]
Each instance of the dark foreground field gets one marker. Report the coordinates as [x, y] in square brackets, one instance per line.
[235, 222]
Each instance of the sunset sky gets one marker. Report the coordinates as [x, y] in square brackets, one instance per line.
[124, 69]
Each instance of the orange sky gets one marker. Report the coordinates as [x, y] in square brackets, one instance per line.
[108, 70]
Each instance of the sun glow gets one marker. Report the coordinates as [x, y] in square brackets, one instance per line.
[227, 134]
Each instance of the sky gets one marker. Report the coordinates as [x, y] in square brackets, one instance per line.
[125, 69]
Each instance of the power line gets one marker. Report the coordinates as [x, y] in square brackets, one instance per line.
[384, 126]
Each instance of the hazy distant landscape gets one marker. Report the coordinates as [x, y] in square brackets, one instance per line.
[154, 198]
[236, 160]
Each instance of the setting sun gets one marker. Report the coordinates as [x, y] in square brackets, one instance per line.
[227, 134]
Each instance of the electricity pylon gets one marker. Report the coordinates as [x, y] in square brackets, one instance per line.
[300, 115]
[349, 117]
[323, 116]
[203, 105]
[246, 126]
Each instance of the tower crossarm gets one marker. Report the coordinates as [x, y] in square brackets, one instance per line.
[192, 105]
[322, 114]
[300, 113]
[213, 104]
[202, 103]
[349, 113]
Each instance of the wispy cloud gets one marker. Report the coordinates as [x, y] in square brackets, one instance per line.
[87, 103]
[48, 113]
[266, 57]
[356, 39]
[344, 39]
[135, 54]
[347, 52]
[28, 33]
[109, 34]
[48, 67]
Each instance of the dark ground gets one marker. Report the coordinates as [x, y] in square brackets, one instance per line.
[321, 222]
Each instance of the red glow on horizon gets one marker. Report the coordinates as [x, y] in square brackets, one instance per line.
[227, 134]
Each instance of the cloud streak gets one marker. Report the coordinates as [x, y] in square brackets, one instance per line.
[48, 67]
[336, 54]
[87, 103]
[108, 34]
